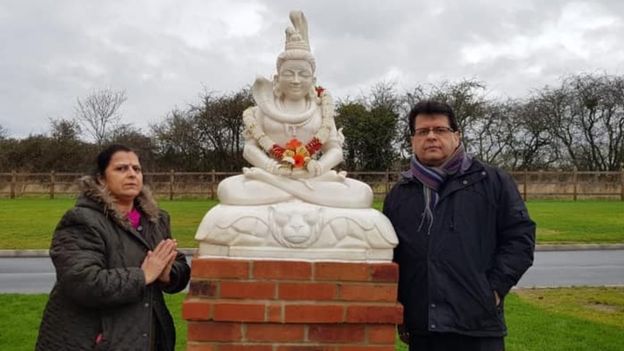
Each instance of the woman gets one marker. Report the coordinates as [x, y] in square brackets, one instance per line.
[114, 256]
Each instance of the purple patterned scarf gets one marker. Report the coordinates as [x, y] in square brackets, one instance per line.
[432, 179]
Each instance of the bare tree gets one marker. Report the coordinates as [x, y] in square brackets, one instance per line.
[3, 132]
[586, 115]
[63, 129]
[599, 109]
[98, 113]
[219, 120]
[370, 127]
[532, 146]
[491, 134]
[208, 135]
[178, 142]
[466, 97]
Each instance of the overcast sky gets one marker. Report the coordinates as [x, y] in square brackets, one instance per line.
[165, 53]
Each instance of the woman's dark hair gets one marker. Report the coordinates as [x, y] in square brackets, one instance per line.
[104, 157]
[432, 107]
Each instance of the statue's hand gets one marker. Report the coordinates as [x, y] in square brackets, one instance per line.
[300, 173]
[274, 167]
[284, 171]
[315, 168]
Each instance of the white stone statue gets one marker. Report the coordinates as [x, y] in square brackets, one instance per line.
[290, 203]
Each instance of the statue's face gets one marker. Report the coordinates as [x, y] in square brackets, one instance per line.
[295, 79]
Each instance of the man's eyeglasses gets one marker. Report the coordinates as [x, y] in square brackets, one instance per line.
[439, 131]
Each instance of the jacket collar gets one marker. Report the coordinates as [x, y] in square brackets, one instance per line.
[95, 195]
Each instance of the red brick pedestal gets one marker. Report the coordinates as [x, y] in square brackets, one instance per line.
[260, 305]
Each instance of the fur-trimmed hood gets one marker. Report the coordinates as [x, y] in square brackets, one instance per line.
[91, 189]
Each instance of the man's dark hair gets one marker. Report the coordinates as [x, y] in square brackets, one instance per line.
[104, 157]
[432, 107]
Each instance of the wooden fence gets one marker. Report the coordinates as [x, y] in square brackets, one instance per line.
[171, 185]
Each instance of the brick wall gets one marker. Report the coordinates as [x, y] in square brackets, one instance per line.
[260, 305]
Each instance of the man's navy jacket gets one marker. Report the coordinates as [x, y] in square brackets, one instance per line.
[481, 240]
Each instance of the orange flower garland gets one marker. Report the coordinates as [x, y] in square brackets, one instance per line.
[295, 154]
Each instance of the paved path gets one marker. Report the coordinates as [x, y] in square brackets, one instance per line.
[26, 275]
[575, 268]
[551, 269]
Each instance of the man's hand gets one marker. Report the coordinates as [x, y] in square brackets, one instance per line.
[498, 300]
[403, 333]
[158, 260]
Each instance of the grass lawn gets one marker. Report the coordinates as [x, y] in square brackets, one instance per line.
[578, 221]
[28, 223]
[567, 319]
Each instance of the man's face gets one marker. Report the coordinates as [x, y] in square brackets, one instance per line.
[433, 141]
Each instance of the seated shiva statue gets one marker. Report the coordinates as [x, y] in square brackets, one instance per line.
[290, 203]
[291, 138]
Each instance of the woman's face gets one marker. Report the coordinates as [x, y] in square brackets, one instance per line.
[123, 176]
[295, 79]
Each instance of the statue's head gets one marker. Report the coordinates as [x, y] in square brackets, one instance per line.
[295, 65]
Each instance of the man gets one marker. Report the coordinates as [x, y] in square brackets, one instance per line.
[465, 238]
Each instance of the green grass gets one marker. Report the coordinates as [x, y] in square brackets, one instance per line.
[578, 221]
[573, 319]
[185, 218]
[20, 316]
[581, 302]
[28, 223]
[565, 319]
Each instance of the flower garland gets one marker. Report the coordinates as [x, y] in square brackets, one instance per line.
[295, 154]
